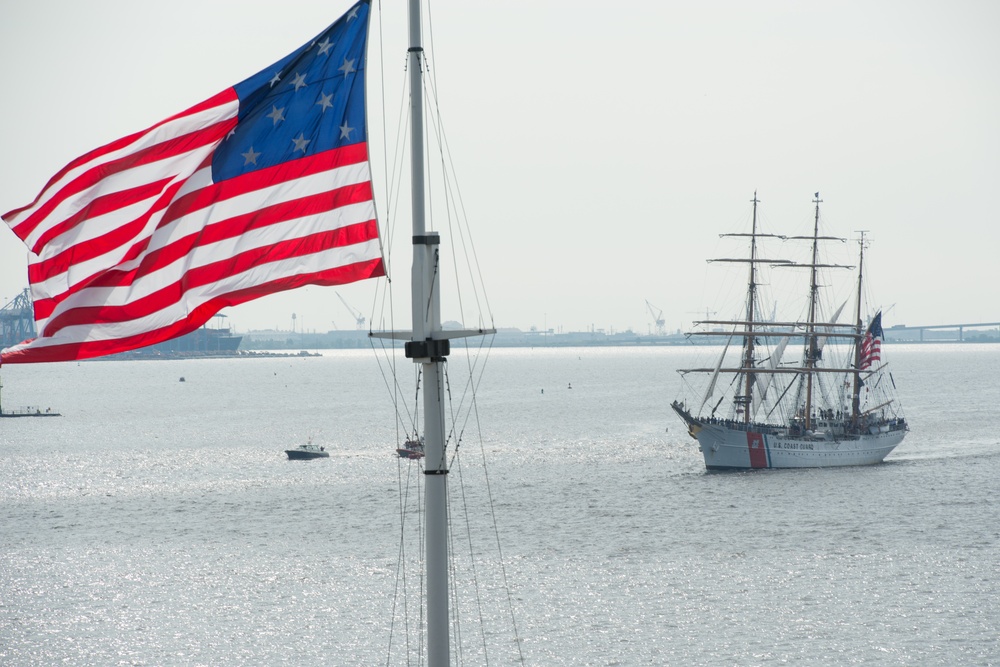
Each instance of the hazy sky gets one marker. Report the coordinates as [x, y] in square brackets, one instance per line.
[601, 147]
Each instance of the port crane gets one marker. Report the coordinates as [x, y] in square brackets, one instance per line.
[358, 317]
[661, 329]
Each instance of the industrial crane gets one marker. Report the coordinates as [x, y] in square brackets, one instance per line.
[657, 314]
[358, 317]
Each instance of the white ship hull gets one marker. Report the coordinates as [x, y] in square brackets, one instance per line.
[725, 448]
[835, 406]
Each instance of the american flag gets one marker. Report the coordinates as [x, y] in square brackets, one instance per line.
[262, 188]
[871, 344]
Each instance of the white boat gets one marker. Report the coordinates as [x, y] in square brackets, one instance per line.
[413, 448]
[833, 406]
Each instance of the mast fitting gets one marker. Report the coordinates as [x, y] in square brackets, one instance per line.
[435, 350]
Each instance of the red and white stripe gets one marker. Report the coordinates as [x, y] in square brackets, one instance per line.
[163, 247]
[871, 350]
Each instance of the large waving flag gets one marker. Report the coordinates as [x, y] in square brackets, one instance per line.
[262, 188]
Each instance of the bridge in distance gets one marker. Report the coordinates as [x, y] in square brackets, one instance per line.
[941, 332]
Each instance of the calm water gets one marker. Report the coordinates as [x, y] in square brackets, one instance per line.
[158, 523]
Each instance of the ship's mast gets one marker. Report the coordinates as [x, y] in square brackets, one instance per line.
[428, 344]
[748, 360]
[427, 348]
[856, 395]
[811, 346]
[744, 402]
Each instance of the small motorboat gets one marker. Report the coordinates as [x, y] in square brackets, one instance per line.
[308, 451]
[411, 449]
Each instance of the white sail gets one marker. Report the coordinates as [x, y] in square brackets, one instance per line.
[764, 380]
[821, 341]
[715, 375]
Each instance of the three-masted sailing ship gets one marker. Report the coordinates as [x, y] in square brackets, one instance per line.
[834, 405]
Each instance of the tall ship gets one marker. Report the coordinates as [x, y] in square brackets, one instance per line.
[832, 405]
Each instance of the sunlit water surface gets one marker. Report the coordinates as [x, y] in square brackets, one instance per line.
[158, 522]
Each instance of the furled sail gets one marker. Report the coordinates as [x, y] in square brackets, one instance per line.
[715, 375]
[821, 341]
[764, 380]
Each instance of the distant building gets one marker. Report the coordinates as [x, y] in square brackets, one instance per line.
[204, 341]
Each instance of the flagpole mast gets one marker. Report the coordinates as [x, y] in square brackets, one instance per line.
[428, 348]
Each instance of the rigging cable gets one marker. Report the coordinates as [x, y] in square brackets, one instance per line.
[401, 560]
[476, 358]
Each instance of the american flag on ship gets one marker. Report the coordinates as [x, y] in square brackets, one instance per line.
[871, 344]
[262, 188]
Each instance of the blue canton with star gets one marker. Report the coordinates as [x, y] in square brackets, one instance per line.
[310, 101]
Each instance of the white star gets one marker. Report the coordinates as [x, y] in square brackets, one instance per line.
[325, 101]
[231, 133]
[299, 81]
[345, 131]
[325, 46]
[300, 142]
[353, 14]
[276, 114]
[275, 79]
[250, 157]
[347, 67]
